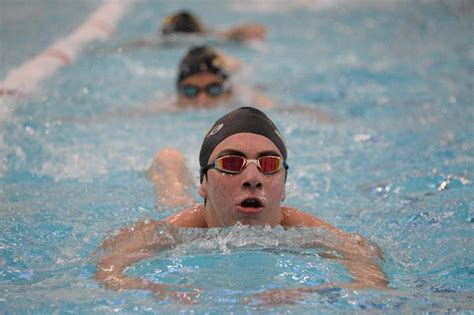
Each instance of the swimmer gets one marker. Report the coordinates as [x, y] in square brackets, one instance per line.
[184, 22]
[243, 169]
[184, 28]
[204, 80]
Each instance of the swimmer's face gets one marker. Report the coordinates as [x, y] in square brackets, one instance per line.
[250, 197]
[203, 89]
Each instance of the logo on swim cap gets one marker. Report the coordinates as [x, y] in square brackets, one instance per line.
[215, 130]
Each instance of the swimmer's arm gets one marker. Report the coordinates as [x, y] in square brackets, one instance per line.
[244, 32]
[189, 218]
[365, 273]
[139, 242]
[171, 178]
[357, 252]
[132, 244]
[292, 217]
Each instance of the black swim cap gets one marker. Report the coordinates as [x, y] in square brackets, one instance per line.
[243, 119]
[201, 59]
[181, 22]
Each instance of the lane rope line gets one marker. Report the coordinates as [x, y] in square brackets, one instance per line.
[26, 79]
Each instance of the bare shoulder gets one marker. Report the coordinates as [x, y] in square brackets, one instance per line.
[292, 217]
[131, 236]
[142, 233]
[189, 218]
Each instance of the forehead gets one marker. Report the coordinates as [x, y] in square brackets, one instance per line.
[248, 143]
[202, 77]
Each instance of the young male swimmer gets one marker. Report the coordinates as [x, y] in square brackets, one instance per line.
[204, 80]
[244, 166]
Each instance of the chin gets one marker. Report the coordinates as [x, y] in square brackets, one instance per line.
[252, 222]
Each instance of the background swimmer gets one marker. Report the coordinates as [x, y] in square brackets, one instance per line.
[205, 80]
[184, 28]
[186, 22]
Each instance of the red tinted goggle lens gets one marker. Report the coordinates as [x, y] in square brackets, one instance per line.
[234, 164]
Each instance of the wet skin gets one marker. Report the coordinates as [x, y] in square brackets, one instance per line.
[250, 197]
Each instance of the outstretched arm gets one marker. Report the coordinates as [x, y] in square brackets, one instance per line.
[134, 243]
[244, 32]
[354, 252]
[171, 178]
[357, 253]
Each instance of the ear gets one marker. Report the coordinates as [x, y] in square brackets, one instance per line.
[202, 189]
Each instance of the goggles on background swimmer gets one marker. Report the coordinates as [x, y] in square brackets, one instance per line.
[192, 91]
[235, 164]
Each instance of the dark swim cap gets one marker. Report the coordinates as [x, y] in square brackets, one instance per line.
[201, 59]
[181, 22]
[243, 119]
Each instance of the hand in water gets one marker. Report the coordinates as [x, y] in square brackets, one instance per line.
[275, 296]
[191, 296]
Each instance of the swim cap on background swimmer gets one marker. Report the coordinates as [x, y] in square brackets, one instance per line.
[181, 22]
[201, 59]
[243, 119]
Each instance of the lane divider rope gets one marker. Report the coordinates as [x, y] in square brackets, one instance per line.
[26, 79]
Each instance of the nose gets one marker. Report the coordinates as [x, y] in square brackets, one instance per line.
[251, 177]
[202, 98]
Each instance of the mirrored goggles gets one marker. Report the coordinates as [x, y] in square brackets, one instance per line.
[234, 164]
[192, 91]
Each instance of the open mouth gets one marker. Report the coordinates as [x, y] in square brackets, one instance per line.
[251, 206]
[251, 203]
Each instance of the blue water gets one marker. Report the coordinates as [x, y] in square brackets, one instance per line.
[395, 165]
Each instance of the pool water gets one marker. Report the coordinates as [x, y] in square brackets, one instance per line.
[395, 164]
